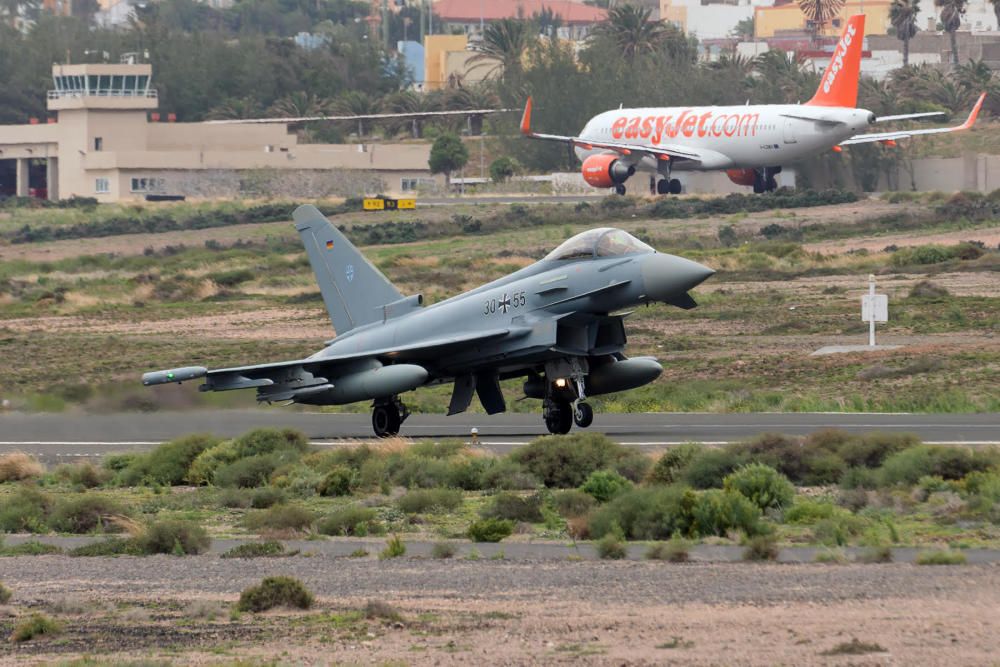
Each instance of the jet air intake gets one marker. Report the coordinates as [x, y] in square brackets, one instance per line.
[605, 171]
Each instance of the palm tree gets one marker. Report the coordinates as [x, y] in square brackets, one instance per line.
[819, 13]
[996, 11]
[406, 101]
[356, 103]
[236, 109]
[629, 27]
[504, 44]
[903, 16]
[300, 104]
[952, 12]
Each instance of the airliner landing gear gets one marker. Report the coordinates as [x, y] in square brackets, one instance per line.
[388, 416]
[620, 189]
[668, 186]
[765, 181]
[558, 416]
[583, 415]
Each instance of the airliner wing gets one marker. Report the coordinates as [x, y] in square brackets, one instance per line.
[906, 134]
[661, 152]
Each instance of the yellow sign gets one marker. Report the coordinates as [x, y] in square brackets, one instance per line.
[374, 204]
[406, 203]
[387, 204]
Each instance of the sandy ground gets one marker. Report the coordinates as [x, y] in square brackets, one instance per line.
[514, 613]
[990, 236]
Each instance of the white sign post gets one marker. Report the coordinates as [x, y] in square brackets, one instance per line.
[874, 308]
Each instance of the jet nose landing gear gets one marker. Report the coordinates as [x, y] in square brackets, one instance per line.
[583, 415]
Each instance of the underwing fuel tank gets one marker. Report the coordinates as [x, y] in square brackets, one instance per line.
[369, 384]
[622, 375]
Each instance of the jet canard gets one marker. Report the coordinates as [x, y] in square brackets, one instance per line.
[557, 323]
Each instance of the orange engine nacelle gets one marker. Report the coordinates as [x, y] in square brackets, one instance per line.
[605, 171]
[742, 176]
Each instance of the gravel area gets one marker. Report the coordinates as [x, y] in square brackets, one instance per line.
[524, 612]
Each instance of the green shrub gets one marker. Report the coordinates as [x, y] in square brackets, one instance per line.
[507, 505]
[908, 466]
[490, 530]
[565, 461]
[269, 549]
[429, 500]
[175, 537]
[443, 550]
[351, 520]
[281, 517]
[419, 472]
[113, 546]
[872, 449]
[983, 484]
[507, 475]
[572, 502]
[876, 554]
[646, 513]
[762, 485]
[830, 557]
[26, 510]
[168, 464]
[340, 481]
[266, 497]
[437, 449]
[286, 444]
[30, 548]
[394, 548]
[604, 485]
[231, 278]
[838, 529]
[235, 498]
[247, 473]
[118, 462]
[610, 547]
[275, 592]
[941, 557]
[719, 512]
[86, 513]
[668, 468]
[808, 511]
[676, 550]
[709, 467]
[85, 475]
[761, 547]
[36, 625]
[5, 594]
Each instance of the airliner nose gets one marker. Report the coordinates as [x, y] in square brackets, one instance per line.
[667, 276]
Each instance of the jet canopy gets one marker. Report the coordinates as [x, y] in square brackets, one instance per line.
[601, 242]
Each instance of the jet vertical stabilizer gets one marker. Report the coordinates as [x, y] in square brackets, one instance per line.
[839, 85]
[353, 290]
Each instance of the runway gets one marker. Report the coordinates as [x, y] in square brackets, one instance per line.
[53, 436]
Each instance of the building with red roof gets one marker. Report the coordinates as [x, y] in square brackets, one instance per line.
[576, 19]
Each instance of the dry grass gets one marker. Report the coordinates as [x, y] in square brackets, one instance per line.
[17, 466]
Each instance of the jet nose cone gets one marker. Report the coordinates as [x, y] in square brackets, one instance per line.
[668, 276]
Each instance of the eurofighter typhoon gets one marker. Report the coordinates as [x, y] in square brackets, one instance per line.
[557, 323]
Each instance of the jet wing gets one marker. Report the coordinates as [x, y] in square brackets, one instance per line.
[307, 372]
[906, 134]
[661, 152]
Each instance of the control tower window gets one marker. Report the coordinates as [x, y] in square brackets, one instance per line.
[98, 143]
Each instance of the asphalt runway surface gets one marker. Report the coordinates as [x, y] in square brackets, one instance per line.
[54, 436]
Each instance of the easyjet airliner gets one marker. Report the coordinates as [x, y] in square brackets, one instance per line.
[749, 142]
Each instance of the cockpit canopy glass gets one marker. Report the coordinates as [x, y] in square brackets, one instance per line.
[602, 242]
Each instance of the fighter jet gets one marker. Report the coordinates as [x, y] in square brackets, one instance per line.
[558, 323]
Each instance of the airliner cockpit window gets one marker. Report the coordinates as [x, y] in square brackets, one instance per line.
[616, 242]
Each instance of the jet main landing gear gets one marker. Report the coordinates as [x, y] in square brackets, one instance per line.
[620, 189]
[558, 416]
[388, 416]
